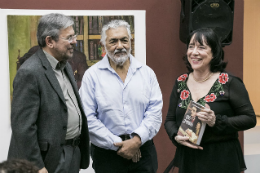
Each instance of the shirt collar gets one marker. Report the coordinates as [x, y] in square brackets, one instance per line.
[55, 64]
[134, 64]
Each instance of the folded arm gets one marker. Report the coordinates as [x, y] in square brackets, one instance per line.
[244, 115]
[152, 120]
[100, 135]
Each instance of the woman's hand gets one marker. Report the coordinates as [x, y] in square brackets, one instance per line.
[183, 140]
[207, 115]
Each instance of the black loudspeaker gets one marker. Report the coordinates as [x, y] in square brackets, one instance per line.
[215, 14]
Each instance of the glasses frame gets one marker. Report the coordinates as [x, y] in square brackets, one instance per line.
[71, 38]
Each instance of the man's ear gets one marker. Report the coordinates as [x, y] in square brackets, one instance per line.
[49, 42]
[103, 49]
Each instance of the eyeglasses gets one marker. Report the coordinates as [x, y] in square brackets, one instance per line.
[70, 39]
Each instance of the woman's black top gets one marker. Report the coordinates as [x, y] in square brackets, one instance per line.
[221, 152]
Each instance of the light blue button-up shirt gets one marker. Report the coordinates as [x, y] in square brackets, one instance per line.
[114, 107]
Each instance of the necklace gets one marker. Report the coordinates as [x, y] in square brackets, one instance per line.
[203, 79]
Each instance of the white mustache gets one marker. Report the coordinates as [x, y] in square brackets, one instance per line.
[119, 51]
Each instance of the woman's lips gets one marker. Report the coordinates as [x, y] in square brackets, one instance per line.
[195, 60]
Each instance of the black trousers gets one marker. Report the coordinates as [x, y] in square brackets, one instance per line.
[109, 162]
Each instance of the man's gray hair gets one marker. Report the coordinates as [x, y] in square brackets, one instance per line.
[50, 25]
[114, 24]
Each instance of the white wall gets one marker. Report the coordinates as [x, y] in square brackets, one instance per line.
[252, 149]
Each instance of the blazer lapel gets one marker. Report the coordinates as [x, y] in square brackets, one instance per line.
[50, 75]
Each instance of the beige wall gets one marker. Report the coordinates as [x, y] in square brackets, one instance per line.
[251, 58]
[251, 75]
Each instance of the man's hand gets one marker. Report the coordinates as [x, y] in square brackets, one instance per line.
[43, 170]
[137, 156]
[128, 148]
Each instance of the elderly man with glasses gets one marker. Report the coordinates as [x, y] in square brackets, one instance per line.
[49, 127]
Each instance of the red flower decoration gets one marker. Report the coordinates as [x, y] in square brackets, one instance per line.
[184, 94]
[223, 78]
[182, 77]
[210, 98]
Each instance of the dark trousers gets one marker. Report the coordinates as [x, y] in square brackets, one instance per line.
[69, 160]
[109, 162]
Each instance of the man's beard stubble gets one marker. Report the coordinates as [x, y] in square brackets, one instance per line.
[65, 56]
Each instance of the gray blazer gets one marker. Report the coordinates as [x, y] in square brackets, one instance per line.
[39, 115]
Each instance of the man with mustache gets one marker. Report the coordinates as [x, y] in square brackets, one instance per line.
[123, 101]
[49, 127]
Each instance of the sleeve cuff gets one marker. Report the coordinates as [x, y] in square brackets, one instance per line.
[115, 139]
[143, 134]
[220, 124]
[174, 141]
